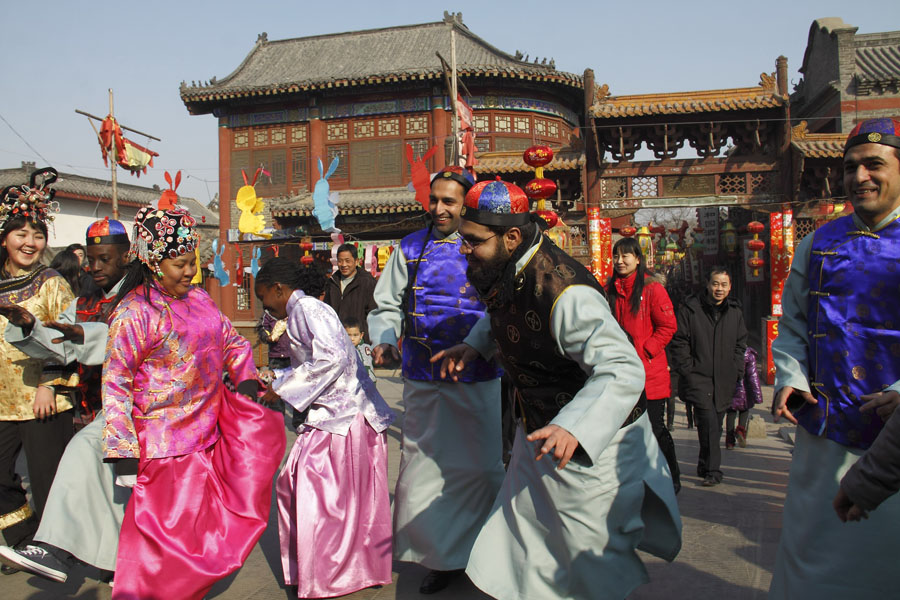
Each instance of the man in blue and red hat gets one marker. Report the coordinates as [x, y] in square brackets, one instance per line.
[567, 524]
[451, 467]
[84, 509]
[838, 378]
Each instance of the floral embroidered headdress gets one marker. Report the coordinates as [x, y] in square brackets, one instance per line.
[159, 234]
[33, 201]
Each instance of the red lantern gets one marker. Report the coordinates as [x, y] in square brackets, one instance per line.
[537, 156]
[306, 246]
[756, 245]
[627, 231]
[755, 227]
[538, 189]
[549, 216]
[306, 259]
[756, 263]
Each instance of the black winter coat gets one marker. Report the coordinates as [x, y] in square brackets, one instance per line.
[708, 353]
[356, 302]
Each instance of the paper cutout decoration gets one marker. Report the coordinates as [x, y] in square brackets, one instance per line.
[324, 203]
[132, 157]
[250, 206]
[198, 276]
[254, 260]
[169, 197]
[218, 266]
[336, 240]
[383, 254]
[238, 266]
[421, 178]
[370, 261]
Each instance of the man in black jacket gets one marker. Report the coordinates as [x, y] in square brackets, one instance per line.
[708, 353]
[349, 290]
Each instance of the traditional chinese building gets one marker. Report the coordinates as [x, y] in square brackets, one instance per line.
[363, 97]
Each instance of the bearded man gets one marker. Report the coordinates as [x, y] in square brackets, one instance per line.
[586, 483]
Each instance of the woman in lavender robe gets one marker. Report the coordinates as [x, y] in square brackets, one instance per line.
[334, 516]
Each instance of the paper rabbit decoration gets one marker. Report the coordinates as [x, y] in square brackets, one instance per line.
[254, 260]
[325, 204]
[169, 198]
[421, 178]
[218, 266]
[250, 205]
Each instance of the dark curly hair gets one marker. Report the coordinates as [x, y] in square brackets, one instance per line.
[309, 278]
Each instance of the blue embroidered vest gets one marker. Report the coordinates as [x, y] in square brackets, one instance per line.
[442, 307]
[853, 320]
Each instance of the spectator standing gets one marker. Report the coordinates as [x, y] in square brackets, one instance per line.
[747, 394]
[350, 289]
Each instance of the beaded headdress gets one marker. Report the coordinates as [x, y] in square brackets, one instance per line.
[159, 234]
[33, 201]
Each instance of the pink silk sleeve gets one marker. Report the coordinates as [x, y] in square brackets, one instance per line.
[129, 341]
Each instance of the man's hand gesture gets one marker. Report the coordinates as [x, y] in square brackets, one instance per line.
[557, 439]
[18, 316]
[385, 355]
[454, 360]
[882, 403]
[72, 333]
[780, 403]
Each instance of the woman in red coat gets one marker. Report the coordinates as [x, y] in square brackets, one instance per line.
[643, 309]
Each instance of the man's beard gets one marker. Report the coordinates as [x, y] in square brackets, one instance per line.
[493, 278]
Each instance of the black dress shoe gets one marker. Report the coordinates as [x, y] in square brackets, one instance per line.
[435, 581]
[8, 570]
[710, 481]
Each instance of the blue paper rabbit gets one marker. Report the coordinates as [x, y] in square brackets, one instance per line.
[324, 204]
[218, 266]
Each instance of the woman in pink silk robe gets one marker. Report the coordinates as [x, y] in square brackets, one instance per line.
[334, 513]
[206, 455]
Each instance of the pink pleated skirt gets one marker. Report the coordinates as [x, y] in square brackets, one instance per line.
[334, 514]
[193, 519]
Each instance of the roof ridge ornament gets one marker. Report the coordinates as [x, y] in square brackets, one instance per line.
[800, 131]
[767, 82]
[453, 18]
[602, 94]
[262, 38]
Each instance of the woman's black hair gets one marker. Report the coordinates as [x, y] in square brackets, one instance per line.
[628, 246]
[66, 263]
[17, 222]
[309, 278]
[137, 274]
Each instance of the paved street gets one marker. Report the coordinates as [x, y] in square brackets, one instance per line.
[730, 533]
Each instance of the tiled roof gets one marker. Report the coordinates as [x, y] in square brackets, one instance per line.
[750, 98]
[878, 64]
[821, 145]
[87, 188]
[511, 162]
[352, 202]
[366, 57]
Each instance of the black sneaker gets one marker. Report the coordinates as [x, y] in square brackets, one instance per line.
[710, 481]
[36, 560]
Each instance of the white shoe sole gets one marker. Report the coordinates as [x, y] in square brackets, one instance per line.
[12, 558]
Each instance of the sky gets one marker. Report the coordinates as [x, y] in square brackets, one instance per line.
[66, 55]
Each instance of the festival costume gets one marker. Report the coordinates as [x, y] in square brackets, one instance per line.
[45, 294]
[207, 454]
[334, 513]
[445, 489]
[568, 533]
[838, 339]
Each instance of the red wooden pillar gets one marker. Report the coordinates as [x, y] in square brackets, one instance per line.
[316, 147]
[440, 121]
[225, 298]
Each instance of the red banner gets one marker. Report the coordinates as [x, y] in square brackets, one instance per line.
[771, 332]
[600, 243]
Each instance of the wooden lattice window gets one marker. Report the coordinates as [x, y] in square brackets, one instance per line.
[417, 125]
[511, 143]
[364, 129]
[240, 160]
[244, 292]
[419, 147]
[803, 226]
[341, 151]
[502, 123]
[540, 127]
[644, 187]
[482, 144]
[761, 183]
[553, 129]
[733, 183]
[241, 139]
[481, 123]
[521, 125]
[612, 187]
[278, 136]
[389, 127]
[336, 131]
[275, 162]
[376, 163]
[299, 169]
[298, 134]
[260, 137]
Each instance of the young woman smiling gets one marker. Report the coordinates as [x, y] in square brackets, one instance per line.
[33, 417]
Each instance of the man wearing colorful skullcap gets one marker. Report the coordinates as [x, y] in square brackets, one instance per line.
[450, 468]
[565, 525]
[84, 509]
[838, 378]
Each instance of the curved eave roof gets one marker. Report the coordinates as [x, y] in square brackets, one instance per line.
[352, 202]
[377, 56]
[511, 162]
[821, 145]
[734, 99]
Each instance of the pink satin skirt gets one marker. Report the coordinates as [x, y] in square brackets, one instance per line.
[334, 513]
[193, 519]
